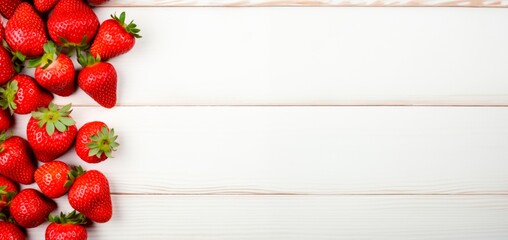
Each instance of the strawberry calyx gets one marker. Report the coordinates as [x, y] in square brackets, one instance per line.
[4, 136]
[50, 55]
[17, 57]
[8, 94]
[72, 175]
[71, 218]
[87, 59]
[8, 195]
[104, 142]
[54, 118]
[78, 46]
[130, 27]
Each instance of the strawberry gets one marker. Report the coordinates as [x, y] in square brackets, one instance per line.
[5, 120]
[98, 80]
[16, 159]
[7, 71]
[97, 2]
[90, 195]
[74, 21]
[30, 208]
[22, 95]
[68, 226]
[55, 71]
[115, 37]
[47, 143]
[8, 189]
[52, 178]
[11, 231]
[1, 29]
[25, 32]
[95, 142]
[7, 7]
[44, 5]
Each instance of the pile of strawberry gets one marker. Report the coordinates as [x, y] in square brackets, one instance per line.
[45, 34]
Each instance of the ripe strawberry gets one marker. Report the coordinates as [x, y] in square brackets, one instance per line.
[5, 120]
[68, 226]
[52, 178]
[25, 32]
[95, 142]
[22, 95]
[97, 2]
[98, 80]
[74, 21]
[115, 37]
[90, 195]
[7, 70]
[8, 189]
[47, 143]
[7, 7]
[30, 208]
[44, 5]
[55, 71]
[16, 159]
[1, 29]
[11, 231]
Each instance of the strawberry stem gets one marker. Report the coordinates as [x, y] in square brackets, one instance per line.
[8, 195]
[72, 175]
[87, 59]
[8, 94]
[71, 218]
[54, 117]
[50, 55]
[130, 28]
[104, 142]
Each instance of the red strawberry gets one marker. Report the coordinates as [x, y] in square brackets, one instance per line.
[30, 208]
[22, 95]
[16, 159]
[55, 71]
[97, 2]
[95, 142]
[98, 80]
[1, 29]
[47, 143]
[44, 5]
[90, 195]
[68, 226]
[72, 20]
[7, 70]
[25, 32]
[52, 178]
[11, 231]
[7, 7]
[5, 120]
[115, 37]
[8, 189]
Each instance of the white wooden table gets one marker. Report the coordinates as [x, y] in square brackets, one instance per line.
[307, 122]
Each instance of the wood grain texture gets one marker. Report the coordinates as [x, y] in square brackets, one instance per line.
[304, 150]
[313, 56]
[311, 3]
[303, 217]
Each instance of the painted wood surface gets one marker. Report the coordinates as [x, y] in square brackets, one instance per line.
[312, 3]
[304, 217]
[304, 150]
[314, 56]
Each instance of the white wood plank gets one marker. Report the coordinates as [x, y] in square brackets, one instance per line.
[313, 56]
[338, 3]
[303, 217]
[304, 150]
